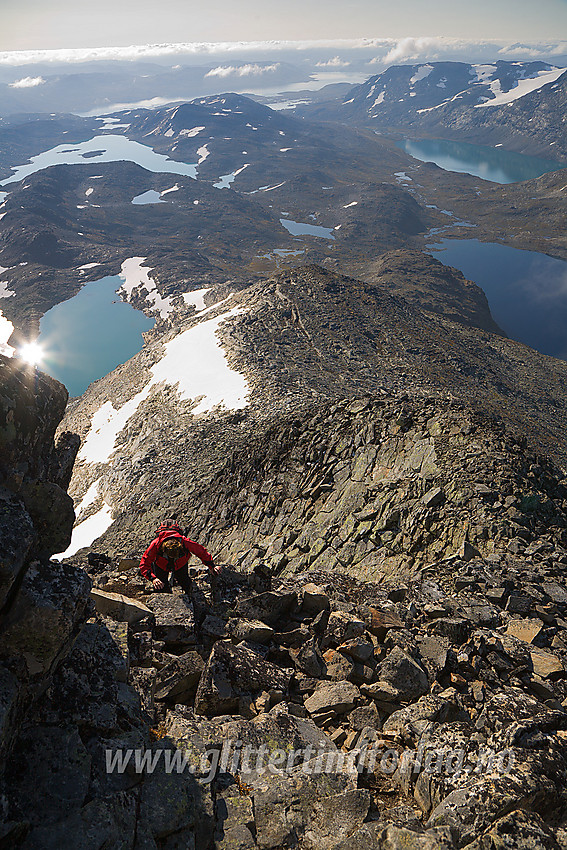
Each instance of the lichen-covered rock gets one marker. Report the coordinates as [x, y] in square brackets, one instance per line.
[52, 513]
[232, 672]
[174, 618]
[11, 696]
[178, 679]
[404, 674]
[252, 630]
[17, 536]
[119, 607]
[343, 627]
[286, 806]
[110, 822]
[338, 697]
[267, 607]
[46, 615]
[334, 818]
[518, 830]
[49, 773]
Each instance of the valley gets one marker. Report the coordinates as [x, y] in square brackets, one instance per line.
[343, 370]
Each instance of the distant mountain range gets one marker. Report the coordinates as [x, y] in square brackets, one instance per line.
[519, 104]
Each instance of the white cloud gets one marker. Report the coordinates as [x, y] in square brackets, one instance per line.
[241, 70]
[27, 83]
[430, 48]
[527, 51]
[151, 51]
[387, 50]
[335, 62]
[412, 49]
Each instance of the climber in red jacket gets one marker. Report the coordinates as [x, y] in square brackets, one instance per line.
[170, 553]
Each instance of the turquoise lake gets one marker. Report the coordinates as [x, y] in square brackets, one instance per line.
[87, 336]
[526, 291]
[494, 164]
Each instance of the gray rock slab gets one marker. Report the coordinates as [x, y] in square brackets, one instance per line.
[232, 672]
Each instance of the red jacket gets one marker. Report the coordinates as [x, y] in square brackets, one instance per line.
[151, 556]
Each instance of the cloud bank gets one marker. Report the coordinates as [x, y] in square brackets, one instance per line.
[242, 70]
[362, 51]
[27, 83]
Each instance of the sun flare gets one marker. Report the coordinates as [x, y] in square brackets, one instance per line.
[32, 353]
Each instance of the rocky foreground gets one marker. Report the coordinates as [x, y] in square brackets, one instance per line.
[290, 707]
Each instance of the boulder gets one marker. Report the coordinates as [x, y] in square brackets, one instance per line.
[358, 648]
[267, 607]
[518, 830]
[286, 806]
[252, 630]
[170, 801]
[375, 835]
[335, 818]
[364, 717]
[119, 607]
[546, 664]
[339, 667]
[378, 622]
[17, 536]
[178, 680]
[46, 615]
[100, 823]
[343, 627]
[233, 672]
[293, 638]
[118, 633]
[338, 697]
[403, 674]
[50, 772]
[313, 599]
[310, 661]
[526, 630]
[175, 621]
[53, 515]
[11, 695]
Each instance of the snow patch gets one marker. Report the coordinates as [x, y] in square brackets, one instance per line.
[195, 362]
[196, 298]
[202, 152]
[106, 425]
[88, 531]
[135, 276]
[352, 204]
[4, 291]
[522, 88]
[194, 131]
[6, 330]
[483, 72]
[88, 499]
[379, 99]
[175, 188]
[422, 72]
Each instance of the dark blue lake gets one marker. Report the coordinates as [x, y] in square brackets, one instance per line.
[494, 164]
[89, 335]
[527, 291]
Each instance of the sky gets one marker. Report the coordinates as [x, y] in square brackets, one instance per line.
[54, 24]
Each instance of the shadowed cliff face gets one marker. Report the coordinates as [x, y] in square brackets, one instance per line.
[42, 604]
[33, 469]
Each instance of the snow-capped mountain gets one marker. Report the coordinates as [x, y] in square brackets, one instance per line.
[406, 91]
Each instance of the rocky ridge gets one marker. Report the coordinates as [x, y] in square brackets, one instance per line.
[295, 704]
[306, 341]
